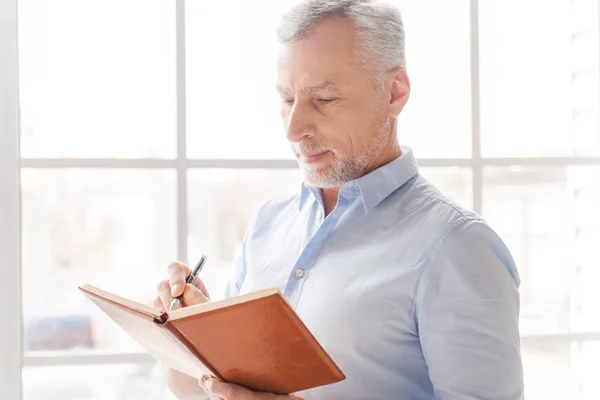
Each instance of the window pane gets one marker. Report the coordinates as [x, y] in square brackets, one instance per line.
[539, 78]
[436, 121]
[561, 370]
[111, 228]
[454, 182]
[230, 121]
[231, 53]
[222, 203]
[550, 219]
[99, 382]
[97, 78]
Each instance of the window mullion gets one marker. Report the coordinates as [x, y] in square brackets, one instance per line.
[182, 165]
[10, 282]
[476, 161]
[46, 359]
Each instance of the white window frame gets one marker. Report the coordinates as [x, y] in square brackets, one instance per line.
[10, 164]
[10, 275]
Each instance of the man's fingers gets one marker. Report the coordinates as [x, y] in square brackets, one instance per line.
[228, 391]
[193, 295]
[157, 303]
[164, 293]
[178, 273]
[223, 390]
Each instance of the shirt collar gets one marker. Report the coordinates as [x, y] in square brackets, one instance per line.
[376, 185]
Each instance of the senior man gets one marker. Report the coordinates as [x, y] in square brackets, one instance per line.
[412, 295]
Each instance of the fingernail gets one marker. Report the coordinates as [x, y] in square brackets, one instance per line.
[175, 289]
[202, 381]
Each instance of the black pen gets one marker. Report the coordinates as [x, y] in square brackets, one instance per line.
[177, 300]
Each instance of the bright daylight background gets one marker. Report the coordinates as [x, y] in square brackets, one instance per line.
[134, 154]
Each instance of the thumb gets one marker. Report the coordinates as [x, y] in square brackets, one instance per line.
[192, 296]
[227, 391]
[224, 390]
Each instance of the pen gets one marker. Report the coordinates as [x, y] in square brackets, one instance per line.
[177, 300]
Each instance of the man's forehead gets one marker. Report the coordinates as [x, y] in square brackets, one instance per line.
[308, 86]
[301, 68]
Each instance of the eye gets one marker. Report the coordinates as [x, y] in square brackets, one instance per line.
[288, 101]
[325, 101]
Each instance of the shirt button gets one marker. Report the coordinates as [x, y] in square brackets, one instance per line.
[299, 273]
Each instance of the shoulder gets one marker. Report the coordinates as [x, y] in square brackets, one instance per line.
[274, 211]
[428, 214]
[474, 243]
[276, 205]
[437, 204]
[457, 233]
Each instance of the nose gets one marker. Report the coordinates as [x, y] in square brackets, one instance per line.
[298, 123]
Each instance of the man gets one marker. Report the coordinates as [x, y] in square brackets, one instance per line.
[413, 296]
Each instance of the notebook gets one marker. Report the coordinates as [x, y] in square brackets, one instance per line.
[255, 340]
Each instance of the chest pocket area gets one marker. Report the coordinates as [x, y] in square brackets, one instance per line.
[269, 261]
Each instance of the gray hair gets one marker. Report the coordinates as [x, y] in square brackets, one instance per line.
[380, 29]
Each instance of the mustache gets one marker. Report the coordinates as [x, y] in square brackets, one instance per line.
[310, 147]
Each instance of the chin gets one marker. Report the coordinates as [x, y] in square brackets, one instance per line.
[313, 176]
[318, 178]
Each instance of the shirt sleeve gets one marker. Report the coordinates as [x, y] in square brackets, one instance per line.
[467, 315]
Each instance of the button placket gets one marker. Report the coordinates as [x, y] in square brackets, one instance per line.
[313, 247]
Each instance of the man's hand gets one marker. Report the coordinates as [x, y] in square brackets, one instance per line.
[182, 386]
[194, 293]
[227, 391]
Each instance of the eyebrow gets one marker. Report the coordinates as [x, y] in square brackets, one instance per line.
[326, 85]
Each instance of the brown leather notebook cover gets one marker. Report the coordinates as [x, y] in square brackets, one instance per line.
[255, 340]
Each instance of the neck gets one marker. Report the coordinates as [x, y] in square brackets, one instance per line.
[384, 156]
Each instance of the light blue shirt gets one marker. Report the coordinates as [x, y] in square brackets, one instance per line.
[413, 296]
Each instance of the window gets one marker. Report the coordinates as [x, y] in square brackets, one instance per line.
[537, 96]
[143, 122]
[91, 85]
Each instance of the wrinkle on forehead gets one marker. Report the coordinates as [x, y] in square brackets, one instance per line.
[308, 88]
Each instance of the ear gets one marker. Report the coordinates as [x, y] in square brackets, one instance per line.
[399, 87]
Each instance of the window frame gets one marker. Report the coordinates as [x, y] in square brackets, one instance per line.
[10, 283]
[11, 164]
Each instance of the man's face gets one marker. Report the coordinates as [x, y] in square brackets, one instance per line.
[335, 118]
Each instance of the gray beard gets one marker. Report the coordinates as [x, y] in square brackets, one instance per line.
[347, 168]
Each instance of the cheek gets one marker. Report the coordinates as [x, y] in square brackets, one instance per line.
[337, 132]
[349, 129]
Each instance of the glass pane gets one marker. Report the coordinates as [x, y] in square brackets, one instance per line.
[550, 220]
[111, 228]
[242, 120]
[97, 78]
[539, 79]
[454, 182]
[436, 121]
[231, 53]
[561, 370]
[222, 203]
[94, 382]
